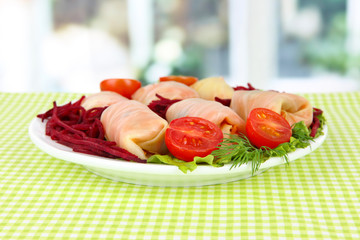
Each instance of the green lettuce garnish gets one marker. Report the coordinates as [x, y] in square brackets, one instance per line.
[182, 165]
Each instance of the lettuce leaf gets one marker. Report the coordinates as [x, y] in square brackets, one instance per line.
[182, 165]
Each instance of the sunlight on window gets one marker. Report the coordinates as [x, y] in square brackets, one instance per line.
[72, 45]
[14, 51]
[77, 57]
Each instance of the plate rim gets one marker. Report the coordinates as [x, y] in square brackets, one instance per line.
[42, 141]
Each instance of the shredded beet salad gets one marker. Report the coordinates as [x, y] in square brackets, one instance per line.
[80, 129]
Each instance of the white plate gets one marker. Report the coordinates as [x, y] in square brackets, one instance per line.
[156, 174]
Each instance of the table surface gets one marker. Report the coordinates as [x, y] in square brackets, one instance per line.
[317, 196]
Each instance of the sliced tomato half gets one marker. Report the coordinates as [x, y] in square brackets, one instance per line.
[265, 127]
[187, 80]
[188, 137]
[124, 86]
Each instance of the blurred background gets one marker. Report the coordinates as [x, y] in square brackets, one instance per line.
[71, 45]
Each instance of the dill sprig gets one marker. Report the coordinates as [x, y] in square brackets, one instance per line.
[238, 150]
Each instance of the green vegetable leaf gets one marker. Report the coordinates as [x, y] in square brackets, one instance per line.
[301, 133]
[182, 165]
[167, 159]
[322, 123]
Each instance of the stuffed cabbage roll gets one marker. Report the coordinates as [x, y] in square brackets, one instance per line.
[212, 87]
[215, 112]
[292, 107]
[101, 99]
[169, 90]
[134, 127]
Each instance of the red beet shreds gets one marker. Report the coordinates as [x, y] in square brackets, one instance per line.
[316, 122]
[248, 88]
[80, 129]
[161, 106]
[224, 101]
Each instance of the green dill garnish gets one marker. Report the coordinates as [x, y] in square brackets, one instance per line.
[239, 151]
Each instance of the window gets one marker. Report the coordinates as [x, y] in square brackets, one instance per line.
[77, 43]
[314, 44]
[71, 45]
[190, 38]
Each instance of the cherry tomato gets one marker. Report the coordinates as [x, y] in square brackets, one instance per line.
[123, 86]
[187, 80]
[188, 137]
[267, 128]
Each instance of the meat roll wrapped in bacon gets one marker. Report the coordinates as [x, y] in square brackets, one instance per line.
[215, 112]
[169, 90]
[101, 99]
[134, 127]
[292, 107]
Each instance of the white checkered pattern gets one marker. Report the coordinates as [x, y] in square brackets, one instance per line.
[316, 197]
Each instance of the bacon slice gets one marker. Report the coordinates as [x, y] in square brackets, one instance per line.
[170, 90]
[213, 111]
[292, 107]
[101, 99]
[134, 127]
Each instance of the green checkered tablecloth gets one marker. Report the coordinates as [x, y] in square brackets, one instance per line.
[316, 197]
